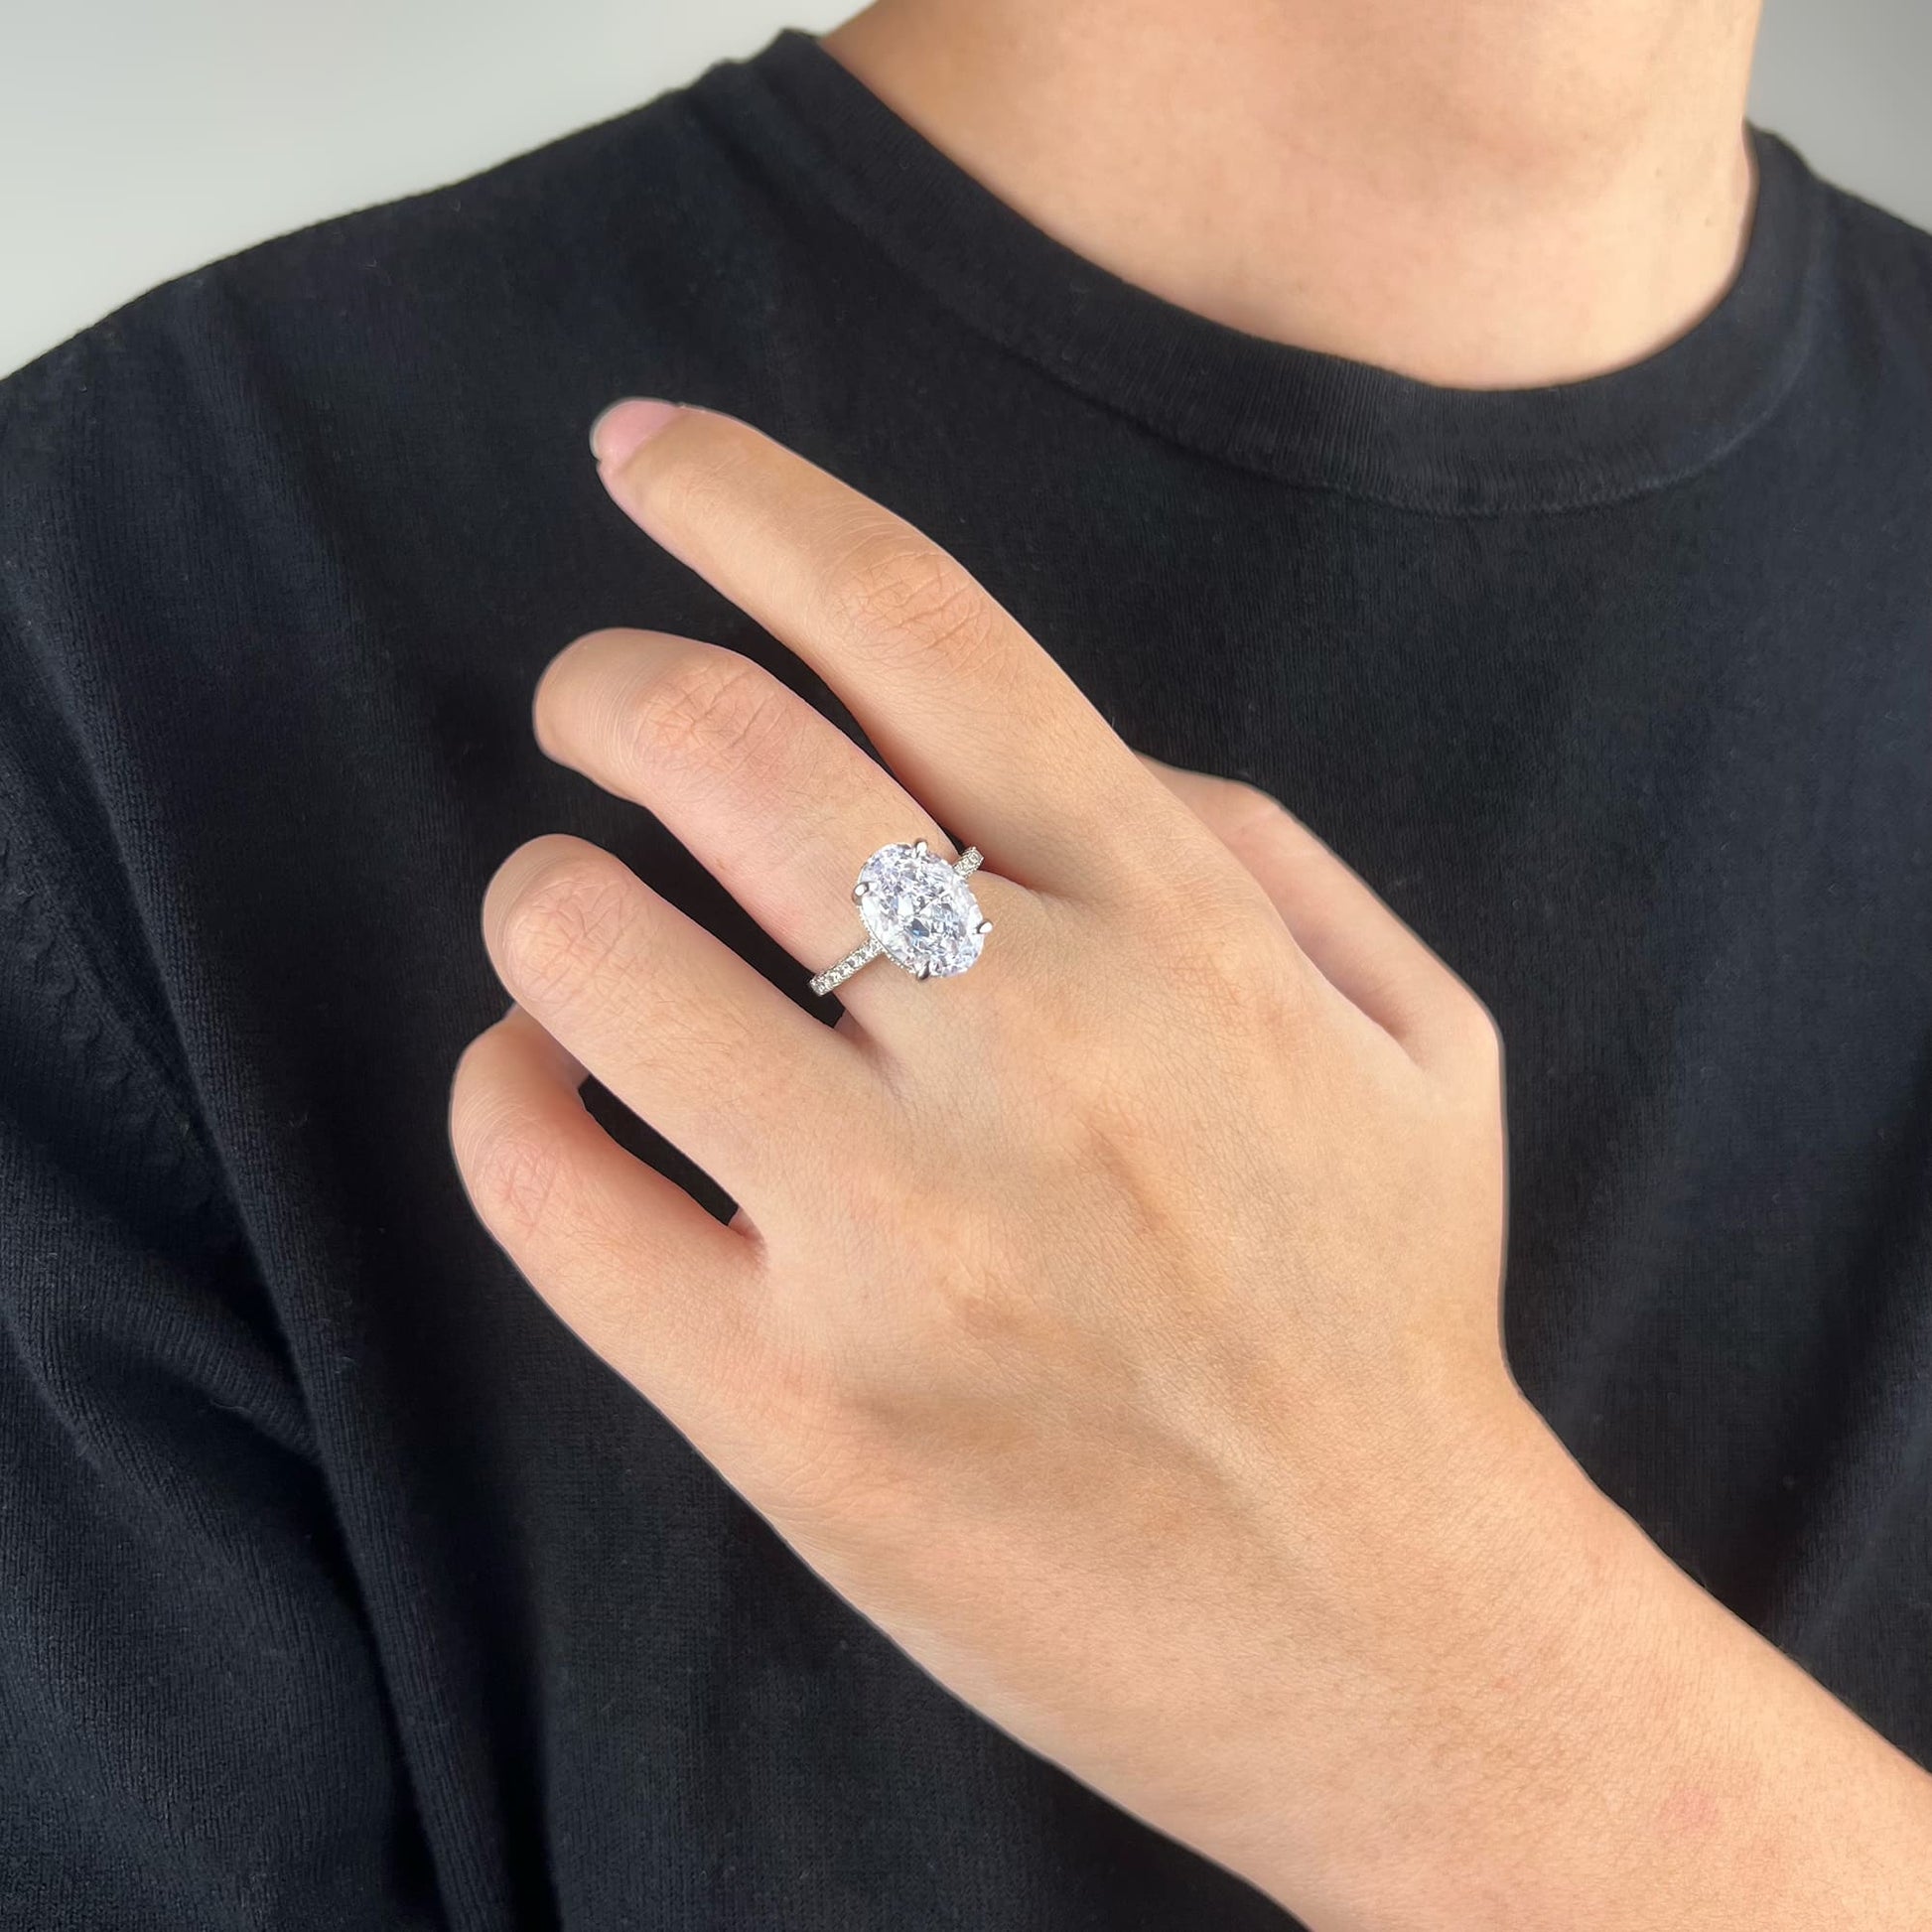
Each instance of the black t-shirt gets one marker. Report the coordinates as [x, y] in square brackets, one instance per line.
[341, 1586]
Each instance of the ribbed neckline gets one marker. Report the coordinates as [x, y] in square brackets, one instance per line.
[1293, 414]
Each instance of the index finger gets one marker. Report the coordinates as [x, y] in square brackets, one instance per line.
[974, 717]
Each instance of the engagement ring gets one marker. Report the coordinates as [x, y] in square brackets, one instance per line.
[919, 912]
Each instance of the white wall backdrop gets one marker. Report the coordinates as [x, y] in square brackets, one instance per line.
[141, 137]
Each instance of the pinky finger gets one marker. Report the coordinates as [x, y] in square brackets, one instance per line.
[1357, 943]
[625, 1256]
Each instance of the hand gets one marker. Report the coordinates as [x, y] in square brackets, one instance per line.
[1106, 1323]
[1116, 1324]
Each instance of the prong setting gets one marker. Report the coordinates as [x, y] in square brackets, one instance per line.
[919, 912]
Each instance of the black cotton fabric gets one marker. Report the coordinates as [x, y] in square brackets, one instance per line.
[342, 1587]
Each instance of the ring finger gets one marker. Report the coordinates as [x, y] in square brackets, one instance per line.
[769, 795]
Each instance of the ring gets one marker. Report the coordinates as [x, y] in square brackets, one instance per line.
[919, 912]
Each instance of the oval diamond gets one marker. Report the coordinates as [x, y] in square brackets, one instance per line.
[921, 910]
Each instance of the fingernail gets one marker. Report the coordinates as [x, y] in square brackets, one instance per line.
[626, 427]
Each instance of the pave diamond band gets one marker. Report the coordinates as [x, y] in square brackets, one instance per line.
[919, 912]
[837, 975]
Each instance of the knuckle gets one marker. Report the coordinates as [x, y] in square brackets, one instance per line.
[848, 1487]
[820, 1456]
[900, 586]
[1249, 814]
[1235, 970]
[716, 711]
[1477, 1039]
[566, 929]
[511, 1162]
[513, 1167]
[1256, 827]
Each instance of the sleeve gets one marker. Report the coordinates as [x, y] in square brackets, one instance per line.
[194, 1729]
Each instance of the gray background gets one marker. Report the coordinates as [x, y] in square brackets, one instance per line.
[141, 137]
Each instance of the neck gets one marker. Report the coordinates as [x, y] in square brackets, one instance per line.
[1497, 194]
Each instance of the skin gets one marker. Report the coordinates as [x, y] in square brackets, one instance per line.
[1117, 1323]
[1479, 192]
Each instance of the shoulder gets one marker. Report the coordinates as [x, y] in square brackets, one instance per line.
[269, 481]
[647, 243]
[233, 447]
[1881, 276]
[512, 262]
[1884, 247]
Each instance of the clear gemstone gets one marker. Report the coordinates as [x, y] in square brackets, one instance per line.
[922, 912]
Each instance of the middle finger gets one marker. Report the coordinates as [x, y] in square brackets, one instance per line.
[967, 709]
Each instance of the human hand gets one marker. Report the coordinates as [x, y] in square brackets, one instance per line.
[1116, 1325]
